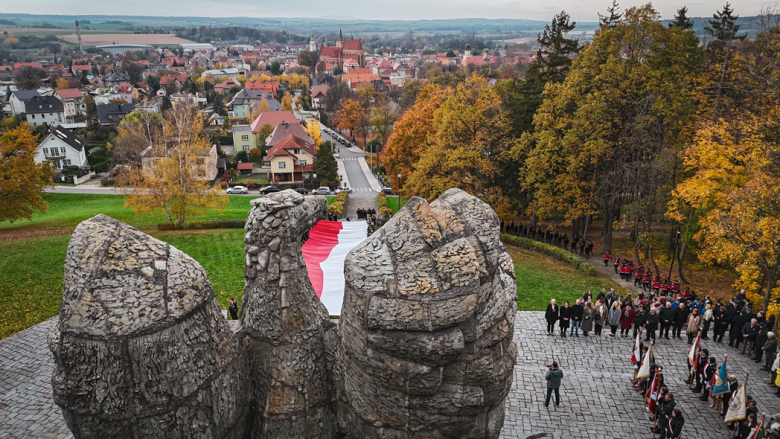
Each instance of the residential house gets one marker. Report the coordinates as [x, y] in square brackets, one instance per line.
[284, 129]
[353, 80]
[318, 93]
[62, 148]
[272, 118]
[115, 78]
[19, 99]
[230, 73]
[45, 110]
[290, 159]
[112, 114]
[206, 162]
[243, 138]
[142, 92]
[224, 87]
[73, 100]
[175, 82]
[270, 87]
[241, 104]
[324, 68]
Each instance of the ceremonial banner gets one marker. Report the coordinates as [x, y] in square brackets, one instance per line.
[644, 370]
[721, 380]
[737, 405]
[636, 355]
[692, 357]
[652, 397]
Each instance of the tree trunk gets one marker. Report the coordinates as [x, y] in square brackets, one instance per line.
[652, 259]
[534, 219]
[680, 258]
[636, 253]
[587, 225]
[165, 205]
[607, 245]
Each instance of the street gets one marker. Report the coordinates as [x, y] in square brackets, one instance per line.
[355, 173]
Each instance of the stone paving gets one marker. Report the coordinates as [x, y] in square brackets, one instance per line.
[597, 398]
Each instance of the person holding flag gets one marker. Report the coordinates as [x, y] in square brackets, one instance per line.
[693, 362]
[708, 377]
[720, 387]
[644, 370]
[737, 408]
[636, 353]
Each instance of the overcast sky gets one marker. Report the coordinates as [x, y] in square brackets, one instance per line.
[580, 10]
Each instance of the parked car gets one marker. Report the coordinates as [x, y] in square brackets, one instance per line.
[269, 189]
[344, 189]
[301, 190]
[387, 190]
[322, 190]
[237, 190]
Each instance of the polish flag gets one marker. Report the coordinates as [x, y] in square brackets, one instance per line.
[325, 252]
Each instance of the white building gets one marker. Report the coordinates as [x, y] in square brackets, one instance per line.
[19, 98]
[47, 110]
[62, 148]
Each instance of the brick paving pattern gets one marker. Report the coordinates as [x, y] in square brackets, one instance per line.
[597, 398]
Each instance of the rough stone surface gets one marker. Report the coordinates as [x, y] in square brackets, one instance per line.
[426, 326]
[424, 348]
[141, 348]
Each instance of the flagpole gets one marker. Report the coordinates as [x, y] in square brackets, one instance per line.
[655, 419]
[763, 424]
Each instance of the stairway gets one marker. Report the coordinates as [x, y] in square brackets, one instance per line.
[355, 203]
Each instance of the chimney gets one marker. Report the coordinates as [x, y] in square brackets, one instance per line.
[78, 33]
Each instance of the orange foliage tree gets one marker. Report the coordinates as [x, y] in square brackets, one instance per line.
[21, 179]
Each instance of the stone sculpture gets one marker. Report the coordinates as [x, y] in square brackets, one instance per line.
[423, 348]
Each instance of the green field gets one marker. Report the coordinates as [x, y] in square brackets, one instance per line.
[393, 203]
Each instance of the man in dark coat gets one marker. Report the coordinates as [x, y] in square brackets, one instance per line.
[733, 387]
[664, 411]
[735, 334]
[680, 319]
[749, 333]
[667, 320]
[640, 317]
[576, 318]
[651, 324]
[551, 315]
[758, 345]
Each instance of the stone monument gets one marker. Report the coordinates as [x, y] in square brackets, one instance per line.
[423, 349]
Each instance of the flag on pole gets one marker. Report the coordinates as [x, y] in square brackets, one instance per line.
[653, 394]
[692, 357]
[644, 370]
[737, 405]
[758, 433]
[721, 380]
[636, 355]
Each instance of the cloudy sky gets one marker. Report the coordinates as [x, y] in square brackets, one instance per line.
[580, 10]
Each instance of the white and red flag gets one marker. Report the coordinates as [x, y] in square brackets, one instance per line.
[325, 252]
[636, 354]
[652, 395]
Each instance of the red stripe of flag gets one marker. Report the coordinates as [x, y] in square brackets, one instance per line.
[323, 237]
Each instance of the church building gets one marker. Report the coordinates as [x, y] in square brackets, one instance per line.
[343, 51]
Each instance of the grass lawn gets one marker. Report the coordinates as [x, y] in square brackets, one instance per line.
[541, 278]
[392, 203]
[257, 178]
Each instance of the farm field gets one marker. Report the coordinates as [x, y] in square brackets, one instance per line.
[41, 31]
[106, 38]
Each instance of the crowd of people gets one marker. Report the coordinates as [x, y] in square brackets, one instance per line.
[577, 245]
[660, 317]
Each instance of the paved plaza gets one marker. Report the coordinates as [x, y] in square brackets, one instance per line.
[597, 398]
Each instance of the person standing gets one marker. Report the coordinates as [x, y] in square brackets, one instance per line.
[565, 318]
[626, 319]
[664, 413]
[553, 376]
[707, 374]
[601, 314]
[667, 320]
[233, 308]
[692, 327]
[576, 318]
[551, 315]
[707, 319]
[680, 319]
[614, 317]
[758, 345]
[640, 317]
[607, 257]
[651, 324]
[721, 324]
[733, 387]
[675, 425]
[749, 332]
[736, 337]
[587, 318]
[769, 348]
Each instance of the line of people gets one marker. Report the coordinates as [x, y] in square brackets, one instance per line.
[550, 236]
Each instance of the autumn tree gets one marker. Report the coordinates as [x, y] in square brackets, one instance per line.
[606, 135]
[21, 179]
[383, 116]
[350, 116]
[613, 17]
[28, 78]
[137, 132]
[324, 165]
[287, 101]
[261, 107]
[312, 127]
[172, 177]
[367, 92]
[412, 134]
[61, 84]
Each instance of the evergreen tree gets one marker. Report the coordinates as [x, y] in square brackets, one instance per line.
[614, 17]
[324, 165]
[681, 20]
[723, 25]
[219, 105]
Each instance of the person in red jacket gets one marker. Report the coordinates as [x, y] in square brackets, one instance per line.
[638, 276]
[656, 284]
[607, 258]
[616, 263]
[626, 319]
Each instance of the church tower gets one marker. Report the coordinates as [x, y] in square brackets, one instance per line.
[312, 45]
[340, 42]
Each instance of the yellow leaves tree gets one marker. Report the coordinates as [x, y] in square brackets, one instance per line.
[172, 175]
[294, 81]
[412, 134]
[242, 79]
[62, 84]
[735, 185]
[383, 116]
[261, 107]
[366, 91]
[287, 101]
[350, 116]
[21, 179]
[312, 127]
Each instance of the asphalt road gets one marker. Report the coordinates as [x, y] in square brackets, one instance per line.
[357, 179]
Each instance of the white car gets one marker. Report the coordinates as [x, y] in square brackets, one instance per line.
[344, 189]
[237, 190]
[322, 190]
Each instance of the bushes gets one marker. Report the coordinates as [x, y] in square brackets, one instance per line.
[107, 182]
[337, 207]
[550, 250]
[194, 225]
[386, 211]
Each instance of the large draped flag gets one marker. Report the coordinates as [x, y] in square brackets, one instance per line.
[652, 395]
[644, 369]
[721, 385]
[737, 405]
[325, 252]
[636, 354]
